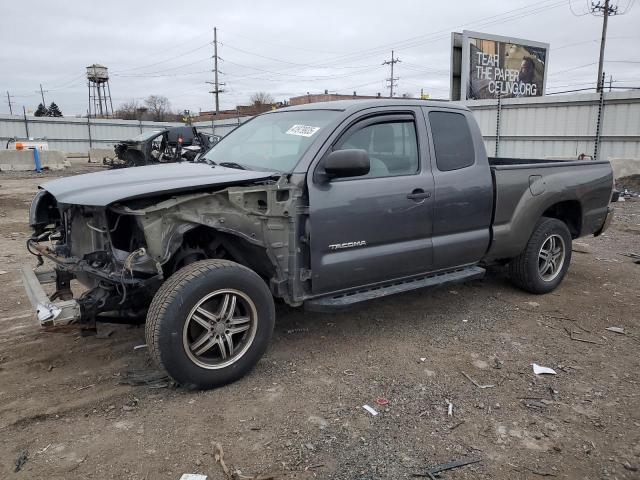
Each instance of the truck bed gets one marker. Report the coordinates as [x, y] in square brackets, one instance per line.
[525, 189]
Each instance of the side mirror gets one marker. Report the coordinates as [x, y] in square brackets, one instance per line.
[346, 163]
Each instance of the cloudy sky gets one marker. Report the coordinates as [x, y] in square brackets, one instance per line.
[284, 47]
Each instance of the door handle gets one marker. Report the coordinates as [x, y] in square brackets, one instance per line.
[418, 194]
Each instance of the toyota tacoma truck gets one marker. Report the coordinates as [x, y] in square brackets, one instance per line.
[322, 206]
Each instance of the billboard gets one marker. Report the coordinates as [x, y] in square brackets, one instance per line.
[491, 67]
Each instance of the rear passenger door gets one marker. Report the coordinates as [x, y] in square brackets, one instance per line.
[463, 193]
[375, 227]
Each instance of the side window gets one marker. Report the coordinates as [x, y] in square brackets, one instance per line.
[392, 147]
[452, 141]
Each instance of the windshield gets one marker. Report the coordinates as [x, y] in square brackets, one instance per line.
[273, 142]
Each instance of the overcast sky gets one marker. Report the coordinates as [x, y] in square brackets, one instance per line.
[286, 48]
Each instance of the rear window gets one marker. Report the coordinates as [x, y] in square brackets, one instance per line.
[452, 140]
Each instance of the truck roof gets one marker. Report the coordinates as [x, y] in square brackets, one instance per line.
[358, 104]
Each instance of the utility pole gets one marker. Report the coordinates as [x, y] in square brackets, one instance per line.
[216, 85]
[9, 102]
[391, 79]
[42, 94]
[606, 9]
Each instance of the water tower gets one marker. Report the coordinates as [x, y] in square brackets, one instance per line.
[100, 104]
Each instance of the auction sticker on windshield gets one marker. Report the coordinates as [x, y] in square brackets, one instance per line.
[302, 130]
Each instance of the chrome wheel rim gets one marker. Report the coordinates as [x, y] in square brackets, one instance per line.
[219, 329]
[551, 257]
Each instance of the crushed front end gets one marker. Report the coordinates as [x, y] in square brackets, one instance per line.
[104, 251]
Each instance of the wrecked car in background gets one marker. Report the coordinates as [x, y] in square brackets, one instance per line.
[321, 205]
[168, 145]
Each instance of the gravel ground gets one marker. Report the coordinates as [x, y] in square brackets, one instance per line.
[67, 401]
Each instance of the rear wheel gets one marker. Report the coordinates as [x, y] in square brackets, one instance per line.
[544, 262]
[210, 323]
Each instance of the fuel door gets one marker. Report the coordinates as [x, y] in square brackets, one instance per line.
[537, 185]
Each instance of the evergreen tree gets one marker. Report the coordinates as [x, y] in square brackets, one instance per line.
[54, 110]
[41, 111]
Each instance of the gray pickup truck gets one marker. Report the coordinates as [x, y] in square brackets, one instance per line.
[322, 205]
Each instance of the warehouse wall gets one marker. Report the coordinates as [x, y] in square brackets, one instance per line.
[78, 135]
[552, 126]
[562, 126]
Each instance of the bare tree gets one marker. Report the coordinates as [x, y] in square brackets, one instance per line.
[129, 111]
[261, 98]
[159, 107]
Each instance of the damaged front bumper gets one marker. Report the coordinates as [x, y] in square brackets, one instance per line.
[48, 312]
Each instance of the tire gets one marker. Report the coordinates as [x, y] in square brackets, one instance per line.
[530, 270]
[191, 352]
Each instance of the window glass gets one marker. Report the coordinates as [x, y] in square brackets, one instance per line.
[452, 140]
[392, 147]
[273, 141]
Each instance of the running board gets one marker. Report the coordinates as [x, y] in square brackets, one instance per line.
[342, 300]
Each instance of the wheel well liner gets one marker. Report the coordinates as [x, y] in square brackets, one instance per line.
[569, 212]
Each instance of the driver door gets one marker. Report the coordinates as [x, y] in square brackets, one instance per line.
[376, 227]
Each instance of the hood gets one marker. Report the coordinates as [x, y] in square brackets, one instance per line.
[103, 188]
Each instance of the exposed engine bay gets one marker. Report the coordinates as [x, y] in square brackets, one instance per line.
[121, 253]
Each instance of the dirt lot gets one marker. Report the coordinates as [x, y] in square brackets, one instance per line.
[299, 413]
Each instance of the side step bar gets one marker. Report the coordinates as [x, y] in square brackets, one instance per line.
[342, 300]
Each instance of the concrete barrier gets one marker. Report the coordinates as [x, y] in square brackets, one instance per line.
[97, 154]
[22, 160]
[623, 167]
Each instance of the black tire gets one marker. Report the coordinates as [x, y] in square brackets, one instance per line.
[524, 270]
[171, 313]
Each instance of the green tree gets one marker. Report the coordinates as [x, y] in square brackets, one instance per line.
[54, 110]
[41, 111]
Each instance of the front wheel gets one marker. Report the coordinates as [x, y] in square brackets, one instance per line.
[546, 258]
[210, 323]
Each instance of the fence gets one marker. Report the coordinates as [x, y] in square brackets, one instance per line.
[551, 126]
[561, 126]
[78, 135]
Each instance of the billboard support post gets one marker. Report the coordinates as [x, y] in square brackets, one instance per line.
[498, 112]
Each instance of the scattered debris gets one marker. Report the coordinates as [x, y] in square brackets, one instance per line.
[532, 470]
[449, 408]
[371, 410]
[21, 460]
[349, 373]
[634, 256]
[533, 304]
[152, 379]
[423, 359]
[382, 401]
[85, 387]
[219, 457]
[497, 363]
[570, 332]
[476, 383]
[619, 330]
[630, 467]
[138, 347]
[581, 247]
[2, 272]
[193, 476]
[297, 330]
[538, 370]
[533, 403]
[453, 427]
[446, 466]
